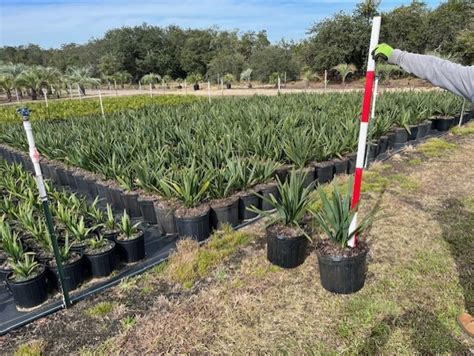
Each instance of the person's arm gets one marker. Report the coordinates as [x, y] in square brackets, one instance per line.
[442, 73]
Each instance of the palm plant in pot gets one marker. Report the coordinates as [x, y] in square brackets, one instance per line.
[224, 205]
[286, 237]
[12, 247]
[27, 282]
[100, 255]
[80, 233]
[73, 265]
[191, 186]
[130, 240]
[342, 269]
[110, 228]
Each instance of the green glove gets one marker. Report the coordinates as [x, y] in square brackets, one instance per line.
[382, 50]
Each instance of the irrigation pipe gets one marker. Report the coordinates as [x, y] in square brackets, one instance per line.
[364, 125]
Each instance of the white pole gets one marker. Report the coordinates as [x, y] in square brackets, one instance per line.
[16, 93]
[45, 96]
[209, 91]
[140, 86]
[151, 91]
[70, 91]
[115, 87]
[462, 112]
[325, 79]
[185, 87]
[101, 104]
[222, 86]
[285, 79]
[279, 84]
[163, 85]
[52, 88]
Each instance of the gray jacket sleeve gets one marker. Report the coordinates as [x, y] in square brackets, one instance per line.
[442, 73]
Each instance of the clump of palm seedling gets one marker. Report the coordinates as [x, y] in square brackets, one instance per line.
[127, 229]
[26, 267]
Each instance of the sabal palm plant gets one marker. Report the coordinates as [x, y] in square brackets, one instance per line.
[122, 77]
[31, 79]
[81, 76]
[385, 71]
[308, 75]
[344, 70]
[7, 82]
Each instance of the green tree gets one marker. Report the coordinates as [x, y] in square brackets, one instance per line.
[81, 76]
[464, 45]
[273, 59]
[32, 80]
[225, 63]
[108, 65]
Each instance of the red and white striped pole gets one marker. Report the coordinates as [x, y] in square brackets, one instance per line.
[364, 125]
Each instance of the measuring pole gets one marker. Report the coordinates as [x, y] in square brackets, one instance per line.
[462, 112]
[101, 104]
[364, 125]
[372, 116]
[35, 158]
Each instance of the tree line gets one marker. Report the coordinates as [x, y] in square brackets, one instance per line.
[129, 54]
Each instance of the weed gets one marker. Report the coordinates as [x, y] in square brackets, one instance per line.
[415, 162]
[436, 147]
[128, 322]
[128, 284]
[34, 348]
[406, 183]
[100, 309]
[463, 130]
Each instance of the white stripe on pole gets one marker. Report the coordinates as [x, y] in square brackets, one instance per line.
[278, 84]
[101, 104]
[16, 93]
[372, 114]
[361, 145]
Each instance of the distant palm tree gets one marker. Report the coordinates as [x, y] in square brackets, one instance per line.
[81, 76]
[32, 80]
[344, 70]
[122, 77]
[151, 78]
[7, 82]
[385, 71]
[10, 73]
[308, 75]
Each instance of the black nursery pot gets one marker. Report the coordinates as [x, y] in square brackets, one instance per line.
[131, 204]
[198, 227]
[246, 200]
[423, 129]
[391, 140]
[226, 212]
[351, 164]
[383, 145]
[165, 218]
[132, 250]
[73, 274]
[343, 275]
[372, 151]
[401, 135]
[147, 210]
[29, 293]
[4, 272]
[285, 252]
[413, 133]
[340, 166]
[444, 124]
[324, 171]
[102, 264]
[266, 190]
[196, 86]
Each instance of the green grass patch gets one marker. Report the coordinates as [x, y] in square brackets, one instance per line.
[100, 309]
[34, 348]
[128, 322]
[373, 181]
[406, 183]
[463, 130]
[192, 262]
[415, 162]
[436, 147]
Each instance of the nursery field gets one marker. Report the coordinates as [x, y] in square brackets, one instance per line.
[90, 106]
[225, 296]
[199, 151]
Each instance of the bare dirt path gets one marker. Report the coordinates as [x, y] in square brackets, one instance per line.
[419, 279]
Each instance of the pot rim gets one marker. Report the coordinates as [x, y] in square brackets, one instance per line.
[27, 281]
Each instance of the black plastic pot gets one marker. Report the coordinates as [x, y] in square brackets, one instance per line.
[340, 166]
[196, 86]
[102, 264]
[324, 171]
[147, 210]
[286, 252]
[29, 293]
[282, 173]
[434, 122]
[62, 177]
[382, 145]
[4, 274]
[91, 188]
[165, 218]
[71, 181]
[196, 227]
[372, 152]
[423, 129]
[102, 191]
[342, 275]
[444, 124]
[227, 213]
[351, 164]
[246, 200]
[131, 250]
[81, 185]
[401, 135]
[309, 174]
[74, 274]
[110, 235]
[267, 190]
[131, 204]
[413, 133]
[391, 140]
[116, 198]
[228, 85]
[53, 174]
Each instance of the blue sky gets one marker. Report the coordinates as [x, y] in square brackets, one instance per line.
[51, 23]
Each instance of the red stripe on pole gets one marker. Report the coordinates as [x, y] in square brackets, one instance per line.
[357, 187]
[369, 84]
